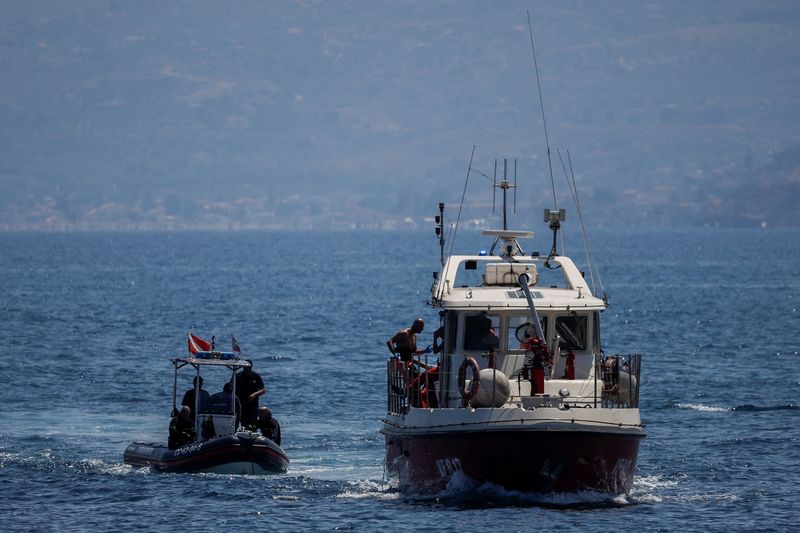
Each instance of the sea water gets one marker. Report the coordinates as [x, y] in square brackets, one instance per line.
[89, 322]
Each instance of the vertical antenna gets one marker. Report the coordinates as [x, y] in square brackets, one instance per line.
[494, 184]
[515, 186]
[505, 185]
[505, 189]
[573, 187]
[541, 106]
[461, 205]
[440, 230]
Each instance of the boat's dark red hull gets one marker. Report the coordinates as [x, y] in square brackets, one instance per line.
[528, 461]
[230, 454]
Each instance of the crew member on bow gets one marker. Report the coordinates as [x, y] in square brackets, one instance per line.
[249, 388]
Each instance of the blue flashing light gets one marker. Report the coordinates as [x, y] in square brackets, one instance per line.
[482, 253]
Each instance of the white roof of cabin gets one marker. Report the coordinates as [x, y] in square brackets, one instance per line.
[574, 293]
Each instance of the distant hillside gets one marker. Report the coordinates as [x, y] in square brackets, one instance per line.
[739, 194]
[116, 114]
[768, 195]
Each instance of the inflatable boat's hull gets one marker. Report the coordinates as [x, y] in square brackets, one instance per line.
[242, 453]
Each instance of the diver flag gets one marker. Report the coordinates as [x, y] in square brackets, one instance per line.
[235, 345]
[196, 344]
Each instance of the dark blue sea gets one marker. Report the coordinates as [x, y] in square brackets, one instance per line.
[89, 322]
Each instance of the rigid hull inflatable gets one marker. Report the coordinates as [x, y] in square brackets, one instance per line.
[212, 440]
[242, 453]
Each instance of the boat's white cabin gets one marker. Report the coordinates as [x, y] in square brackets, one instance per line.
[484, 308]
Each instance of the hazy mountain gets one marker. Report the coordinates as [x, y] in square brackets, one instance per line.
[220, 113]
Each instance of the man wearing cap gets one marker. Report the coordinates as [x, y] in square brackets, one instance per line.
[249, 388]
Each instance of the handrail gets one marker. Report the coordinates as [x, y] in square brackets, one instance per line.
[618, 374]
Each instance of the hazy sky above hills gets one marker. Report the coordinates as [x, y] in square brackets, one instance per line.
[113, 100]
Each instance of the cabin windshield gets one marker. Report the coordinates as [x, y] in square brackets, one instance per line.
[572, 330]
[516, 322]
[480, 332]
[469, 275]
[484, 331]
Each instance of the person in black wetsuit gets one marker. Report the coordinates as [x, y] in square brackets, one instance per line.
[189, 395]
[221, 402]
[249, 388]
[181, 429]
[268, 425]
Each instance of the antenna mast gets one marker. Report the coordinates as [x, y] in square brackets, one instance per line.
[541, 107]
[440, 230]
[515, 186]
[505, 185]
[494, 184]
[544, 123]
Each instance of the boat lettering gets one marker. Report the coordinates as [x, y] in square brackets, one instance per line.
[188, 449]
[447, 467]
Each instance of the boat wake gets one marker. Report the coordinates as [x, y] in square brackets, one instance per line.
[702, 408]
[746, 408]
[463, 492]
[47, 460]
[658, 490]
[651, 489]
[368, 489]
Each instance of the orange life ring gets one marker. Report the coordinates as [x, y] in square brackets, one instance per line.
[468, 394]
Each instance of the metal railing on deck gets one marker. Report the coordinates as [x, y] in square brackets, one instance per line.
[620, 375]
[396, 393]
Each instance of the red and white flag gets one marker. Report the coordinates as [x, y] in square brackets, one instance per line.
[196, 344]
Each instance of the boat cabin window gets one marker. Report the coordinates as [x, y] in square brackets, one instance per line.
[480, 332]
[468, 274]
[514, 322]
[572, 330]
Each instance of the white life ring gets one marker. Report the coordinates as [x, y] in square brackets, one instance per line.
[468, 393]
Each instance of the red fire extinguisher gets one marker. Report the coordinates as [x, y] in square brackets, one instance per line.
[569, 366]
[541, 357]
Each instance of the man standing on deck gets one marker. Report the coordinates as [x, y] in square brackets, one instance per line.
[404, 342]
[249, 388]
[189, 396]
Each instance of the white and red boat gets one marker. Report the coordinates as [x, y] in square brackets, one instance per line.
[522, 395]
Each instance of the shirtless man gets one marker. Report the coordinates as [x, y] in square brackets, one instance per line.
[404, 342]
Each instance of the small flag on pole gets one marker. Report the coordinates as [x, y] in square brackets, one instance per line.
[235, 345]
[196, 344]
